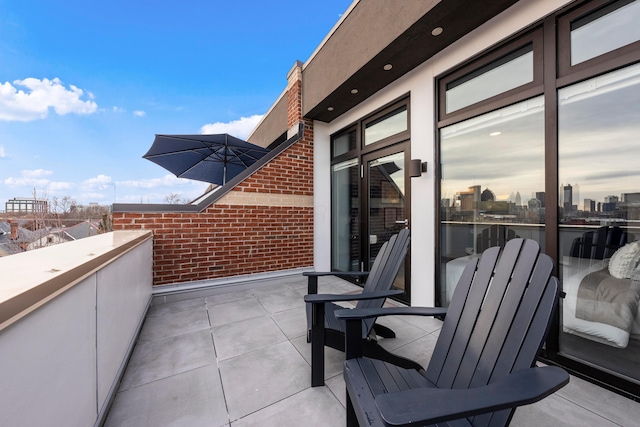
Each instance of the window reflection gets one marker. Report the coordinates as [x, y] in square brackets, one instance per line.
[344, 143]
[492, 184]
[345, 215]
[501, 76]
[599, 154]
[595, 34]
[388, 125]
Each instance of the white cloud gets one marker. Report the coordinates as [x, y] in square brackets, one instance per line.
[3, 154]
[32, 178]
[92, 196]
[36, 173]
[239, 128]
[139, 113]
[56, 186]
[98, 182]
[41, 95]
[165, 181]
[118, 109]
[37, 178]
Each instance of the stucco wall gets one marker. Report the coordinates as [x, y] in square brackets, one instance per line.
[420, 84]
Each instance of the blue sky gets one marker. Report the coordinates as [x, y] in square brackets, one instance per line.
[85, 86]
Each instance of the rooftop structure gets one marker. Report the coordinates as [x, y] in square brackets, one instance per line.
[379, 129]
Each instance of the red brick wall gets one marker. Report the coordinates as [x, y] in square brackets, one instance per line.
[230, 240]
[294, 103]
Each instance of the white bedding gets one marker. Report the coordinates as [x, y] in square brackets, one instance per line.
[574, 270]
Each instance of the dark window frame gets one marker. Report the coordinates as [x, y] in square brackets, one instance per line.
[378, 117]
[363, 150]
[552, 35]
[488, 60]
[349, 154]
[618, 58]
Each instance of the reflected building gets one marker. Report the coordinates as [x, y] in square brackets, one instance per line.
[468, 200]
[567, 193]
[589, 205]
[487, 195]
[631, 197]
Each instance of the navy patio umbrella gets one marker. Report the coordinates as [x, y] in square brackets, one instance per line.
[210, 158]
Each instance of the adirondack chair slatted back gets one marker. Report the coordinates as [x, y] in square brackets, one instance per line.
[384, 271]
[507, 301]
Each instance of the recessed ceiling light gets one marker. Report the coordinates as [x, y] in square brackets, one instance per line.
[354, 91]
[387, 67]
[495, 133]
[329, 108]
[436, 31]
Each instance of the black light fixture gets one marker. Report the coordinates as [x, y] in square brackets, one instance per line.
[416, 167]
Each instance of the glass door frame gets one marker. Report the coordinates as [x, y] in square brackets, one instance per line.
[363, 152]
[365, 246]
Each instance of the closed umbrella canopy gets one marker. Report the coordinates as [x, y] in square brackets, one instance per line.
[210, 158]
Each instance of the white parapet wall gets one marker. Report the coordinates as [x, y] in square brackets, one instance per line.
[69, 315]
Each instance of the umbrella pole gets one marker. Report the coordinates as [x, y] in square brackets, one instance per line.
[226, 151]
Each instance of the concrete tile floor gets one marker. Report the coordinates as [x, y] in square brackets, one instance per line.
[238, 357]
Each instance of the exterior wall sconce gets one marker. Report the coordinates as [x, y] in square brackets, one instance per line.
[416, 167]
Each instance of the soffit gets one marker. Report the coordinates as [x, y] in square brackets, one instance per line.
[352, 57]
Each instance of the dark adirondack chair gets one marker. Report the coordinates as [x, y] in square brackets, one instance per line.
[495, 235]
[483, 365]
[327, 330]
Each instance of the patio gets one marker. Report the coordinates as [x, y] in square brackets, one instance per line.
[237, 356]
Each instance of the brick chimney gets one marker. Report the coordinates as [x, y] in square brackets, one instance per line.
[14, 230]
[294, 98]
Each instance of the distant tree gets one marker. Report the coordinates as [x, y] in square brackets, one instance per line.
[62, 205]
[62, 208]
[106, 225]
[176, 199]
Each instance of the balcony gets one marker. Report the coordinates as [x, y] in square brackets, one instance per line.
[95, 344]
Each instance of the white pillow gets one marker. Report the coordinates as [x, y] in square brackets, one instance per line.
[625, 260]
[635, 276]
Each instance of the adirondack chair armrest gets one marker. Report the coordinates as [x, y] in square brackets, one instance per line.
[432, 405]
[368, 313]
[312, 277]
[335, 273]
[353, 322]
[323, 298]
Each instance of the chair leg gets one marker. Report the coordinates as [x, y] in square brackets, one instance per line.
[317, 345]
[375, 351]
[383, 331]
[352, 420]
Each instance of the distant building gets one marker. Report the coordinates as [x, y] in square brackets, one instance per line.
[540, 195]
[534, 204]
[27, 205]
[589, 205]
[567, 192]
[631, 197]
[487, 195]
[469, 199]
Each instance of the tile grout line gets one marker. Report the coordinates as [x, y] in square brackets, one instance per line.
[215, 352]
